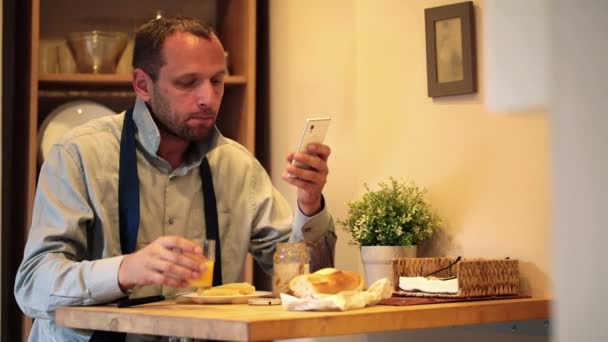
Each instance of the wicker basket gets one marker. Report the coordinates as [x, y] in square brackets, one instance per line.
[476, 277]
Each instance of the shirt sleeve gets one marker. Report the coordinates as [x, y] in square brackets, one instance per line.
[318, 232]
[56, 269]
[275, 223]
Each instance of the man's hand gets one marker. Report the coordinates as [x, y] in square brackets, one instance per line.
[168, 260]
[309, 181]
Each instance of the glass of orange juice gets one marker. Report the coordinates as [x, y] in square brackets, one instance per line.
[206, 278]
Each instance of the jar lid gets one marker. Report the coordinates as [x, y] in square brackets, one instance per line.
[291, 246]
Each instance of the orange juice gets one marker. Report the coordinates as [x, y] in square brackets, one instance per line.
[206, 278]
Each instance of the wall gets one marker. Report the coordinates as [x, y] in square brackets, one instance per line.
[1, 25]
[363, 63]
[580, 166]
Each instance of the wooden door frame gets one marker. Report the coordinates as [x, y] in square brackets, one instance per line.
[15, 108]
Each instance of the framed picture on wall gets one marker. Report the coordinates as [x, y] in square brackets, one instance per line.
[450, 50]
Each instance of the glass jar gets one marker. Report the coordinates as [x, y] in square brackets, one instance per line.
[290, 259]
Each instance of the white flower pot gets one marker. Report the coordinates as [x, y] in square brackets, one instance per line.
[377, 260]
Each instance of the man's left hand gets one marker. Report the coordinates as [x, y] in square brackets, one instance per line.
[309, 177]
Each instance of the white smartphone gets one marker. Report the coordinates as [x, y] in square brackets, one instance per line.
[314, 132]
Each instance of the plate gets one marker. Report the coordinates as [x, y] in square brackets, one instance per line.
[240, 299]
[64, 118]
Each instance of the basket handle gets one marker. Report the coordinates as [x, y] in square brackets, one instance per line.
[445, 268]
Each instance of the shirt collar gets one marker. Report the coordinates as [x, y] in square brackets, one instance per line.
[148, 135]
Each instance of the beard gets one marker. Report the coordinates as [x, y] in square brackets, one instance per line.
[184, 126]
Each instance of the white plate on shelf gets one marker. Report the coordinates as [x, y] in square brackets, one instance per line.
[238, 299]
[64, 118]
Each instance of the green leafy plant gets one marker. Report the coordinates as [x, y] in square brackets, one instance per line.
[394, 215]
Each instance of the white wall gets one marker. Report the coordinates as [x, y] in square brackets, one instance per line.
[363, 63]
[580, 168]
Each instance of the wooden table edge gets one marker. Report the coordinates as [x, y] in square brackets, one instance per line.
[306, 324]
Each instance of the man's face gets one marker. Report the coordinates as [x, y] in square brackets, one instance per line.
[187, 95]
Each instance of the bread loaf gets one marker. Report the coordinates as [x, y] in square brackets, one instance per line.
[325, 281]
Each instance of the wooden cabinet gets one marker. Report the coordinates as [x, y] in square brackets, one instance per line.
[234, 22]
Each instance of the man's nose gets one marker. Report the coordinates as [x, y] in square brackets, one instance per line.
[205, 94]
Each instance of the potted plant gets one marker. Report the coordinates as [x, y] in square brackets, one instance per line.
[388, 223]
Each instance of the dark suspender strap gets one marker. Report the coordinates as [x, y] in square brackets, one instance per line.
[211, 221]
[108, 336]
[128, 187]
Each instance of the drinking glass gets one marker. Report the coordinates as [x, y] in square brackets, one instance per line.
[206, 278]
[67, 64]
[48, 56]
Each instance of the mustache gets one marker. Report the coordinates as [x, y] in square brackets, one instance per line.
[205, 112]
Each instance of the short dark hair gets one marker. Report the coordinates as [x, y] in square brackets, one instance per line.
[150, 37]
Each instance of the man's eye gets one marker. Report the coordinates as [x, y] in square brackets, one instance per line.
[186, 83]
[217, 81]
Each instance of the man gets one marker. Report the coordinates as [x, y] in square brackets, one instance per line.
[119, 207]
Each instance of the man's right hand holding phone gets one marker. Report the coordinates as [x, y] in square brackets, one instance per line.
[309, 175]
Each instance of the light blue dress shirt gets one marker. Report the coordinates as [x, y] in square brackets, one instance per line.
[73, 251]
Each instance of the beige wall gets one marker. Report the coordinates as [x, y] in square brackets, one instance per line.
[1, 34]
[363, 63]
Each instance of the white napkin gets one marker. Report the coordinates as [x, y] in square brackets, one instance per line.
[345, 300]
[423, 284]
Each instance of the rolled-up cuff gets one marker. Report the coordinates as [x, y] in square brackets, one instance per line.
[311, 228]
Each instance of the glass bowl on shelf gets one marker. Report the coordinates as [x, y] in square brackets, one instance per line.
[96, 51]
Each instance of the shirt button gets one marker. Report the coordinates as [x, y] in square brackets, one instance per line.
[171, 220]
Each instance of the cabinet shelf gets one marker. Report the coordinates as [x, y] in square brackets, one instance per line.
[60, 80]
[59, 94]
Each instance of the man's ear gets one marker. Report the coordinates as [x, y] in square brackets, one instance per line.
[142, 83]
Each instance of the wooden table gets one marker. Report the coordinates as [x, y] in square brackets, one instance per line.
[262, 323]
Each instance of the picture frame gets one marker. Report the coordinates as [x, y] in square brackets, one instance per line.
[451, 60]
